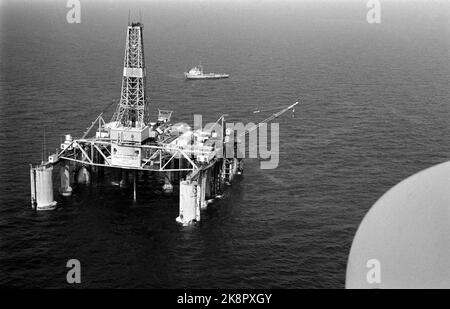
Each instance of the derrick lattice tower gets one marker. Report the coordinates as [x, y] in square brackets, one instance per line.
[132, 110]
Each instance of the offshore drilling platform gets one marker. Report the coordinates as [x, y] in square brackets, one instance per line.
[130, 144]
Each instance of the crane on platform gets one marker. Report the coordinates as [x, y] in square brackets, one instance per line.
[270, 118]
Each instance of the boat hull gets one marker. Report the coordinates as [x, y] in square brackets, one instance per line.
[207, 76]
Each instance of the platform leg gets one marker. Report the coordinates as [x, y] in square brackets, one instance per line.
[134, 185]
[124, 181]
[202, 189]
[42, 187]
[168, 179]
[84, 176]
[66, 189]
[189, 208]
[168, 187]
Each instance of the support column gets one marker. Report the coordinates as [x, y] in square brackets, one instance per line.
[134, 185]
[66, 189]
[218, 179]
[227, 172]
[33, 186]
[94, 159]
[203, 191]
[240, 169]
[189, 208]
[124, 182]
[116, 177]
[208, 186]
[168, 179]
[180, 166]
[221, 174]
[231, 170]
[213, 181]
[72, 168]
[100, 169]
[42, 188]
[84, 176]
[168, 187]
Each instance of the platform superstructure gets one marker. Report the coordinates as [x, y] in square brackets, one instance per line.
[131, 144]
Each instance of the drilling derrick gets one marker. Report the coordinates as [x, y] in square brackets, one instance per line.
[132, 110]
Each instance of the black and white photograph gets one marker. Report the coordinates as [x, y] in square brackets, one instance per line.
[224, 150]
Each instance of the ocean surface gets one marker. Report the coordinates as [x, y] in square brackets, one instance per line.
[375, 109]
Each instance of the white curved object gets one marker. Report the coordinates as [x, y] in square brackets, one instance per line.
[404, 239]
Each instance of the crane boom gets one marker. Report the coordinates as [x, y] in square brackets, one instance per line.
[270, 118]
